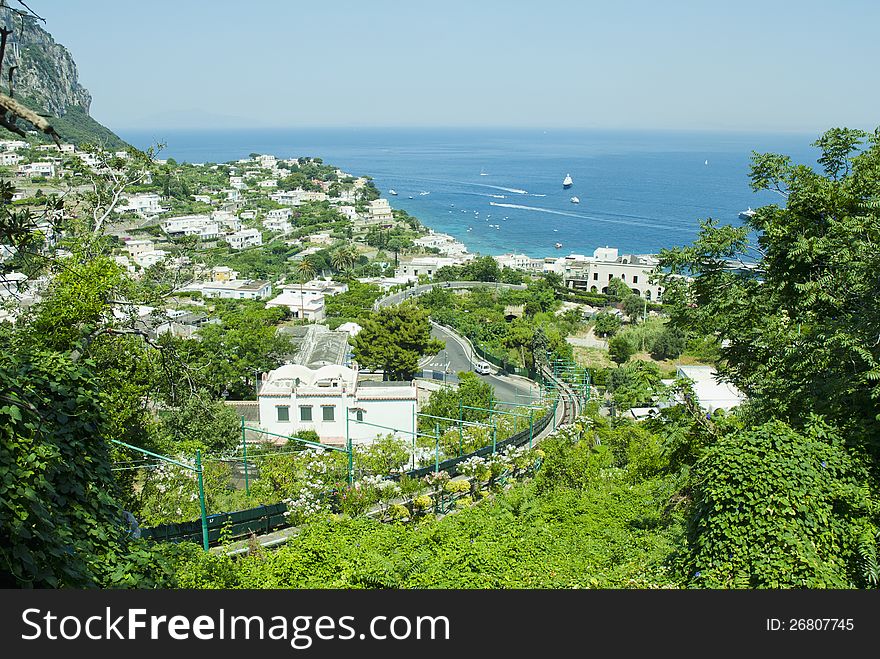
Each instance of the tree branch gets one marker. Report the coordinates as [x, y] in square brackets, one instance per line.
[9, 104]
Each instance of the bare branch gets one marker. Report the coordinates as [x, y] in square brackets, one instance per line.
[8, 104]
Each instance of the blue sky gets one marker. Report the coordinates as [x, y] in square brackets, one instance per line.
[744, 65]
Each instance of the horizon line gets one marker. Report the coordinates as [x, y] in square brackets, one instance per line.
[206, 129]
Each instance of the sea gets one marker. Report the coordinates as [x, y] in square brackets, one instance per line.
[501, 190]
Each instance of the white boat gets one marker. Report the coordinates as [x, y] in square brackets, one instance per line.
[392, 192]
[575, 200]
[558, 245]
[566, 182]
[423, 193]
[747, 214]
[706, 163]
[482, 172]
[410, 196]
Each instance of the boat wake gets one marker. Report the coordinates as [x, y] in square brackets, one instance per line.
[590, 217]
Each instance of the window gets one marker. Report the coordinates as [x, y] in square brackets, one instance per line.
[595, 276]
[305, 413]
[283, 412]
[329, 412]
[359, 415]
[635, 279]
[609, 276]
[623, 277]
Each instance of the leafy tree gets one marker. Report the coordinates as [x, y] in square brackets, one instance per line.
[634, 383]
[796, 331]
[620, 348]
[59, 523]
[634, 307]
[775, 509]
[669, 344]
[607, 324]
[484, 268]
[472, 392]
[618, 291]
[394, 339]
[201, 423]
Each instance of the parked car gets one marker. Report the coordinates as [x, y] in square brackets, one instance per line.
[483, 368]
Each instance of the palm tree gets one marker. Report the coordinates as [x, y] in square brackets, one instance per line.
[306, 271]
[343, 258]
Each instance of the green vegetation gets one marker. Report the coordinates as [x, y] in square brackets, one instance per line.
[393, 340]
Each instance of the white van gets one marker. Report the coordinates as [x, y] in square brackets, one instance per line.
[483, 368]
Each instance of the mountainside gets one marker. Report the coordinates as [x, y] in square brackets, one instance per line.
[46, 81]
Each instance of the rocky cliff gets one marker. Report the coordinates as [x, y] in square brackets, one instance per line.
[46, 80]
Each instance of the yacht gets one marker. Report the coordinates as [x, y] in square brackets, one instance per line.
[558, 245]
[566, 182]
[575, 200]
[482, 172]
[392, 192]
[747, 214]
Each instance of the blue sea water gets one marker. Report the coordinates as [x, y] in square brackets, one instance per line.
[501, 190]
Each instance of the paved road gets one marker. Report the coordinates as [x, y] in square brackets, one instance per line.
[459, 357]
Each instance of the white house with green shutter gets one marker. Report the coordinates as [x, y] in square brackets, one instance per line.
[293, 398]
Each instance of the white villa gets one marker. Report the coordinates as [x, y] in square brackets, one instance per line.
[9, 158]
[238, 289]
[520, 262]
[379, 212]
[594, 273]
[46, 169]
[192, 225]
[331, 401]
[150, 258]
[309, 304]
[148, 203]
[244, 238]
[137, 247]
[447, 245]
[296, 197]
[424, 265]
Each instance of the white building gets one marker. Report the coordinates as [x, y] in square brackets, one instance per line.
[296, 197]
[237, 182]
[594, 273]
[446, 244]
[277, 225]
[348, 212]
[712, 393]
[308, 304]
[9, 158]
[325, 287]
[46, 169]
[520, 262]
[424, 265]
[331, 401]
[192, 225]
[138, 247]
[279, 214]
[266, 161]
[234, 289]
[148, 203]
[226, 220]
[244, 238]
[268, 183]
[203, 198]
[379, 212]
[150, 258]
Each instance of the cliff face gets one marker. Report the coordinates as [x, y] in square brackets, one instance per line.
[46, 80]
